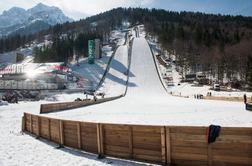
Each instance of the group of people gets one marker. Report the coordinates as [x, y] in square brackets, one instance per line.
[10, 97]
[209, 93]
[198, 96]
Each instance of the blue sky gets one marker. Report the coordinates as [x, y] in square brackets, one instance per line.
[81, 8]
[233, 7]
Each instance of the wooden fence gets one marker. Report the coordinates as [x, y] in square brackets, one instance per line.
[234, 99]
[54, 107]
[175, 145]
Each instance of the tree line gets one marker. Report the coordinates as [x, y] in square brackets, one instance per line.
[216, 44]
[64, 47]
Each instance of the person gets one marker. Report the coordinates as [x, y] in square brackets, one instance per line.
[95, 98]
[245, 98]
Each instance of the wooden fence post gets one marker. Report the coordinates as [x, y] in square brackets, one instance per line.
[209, 154]
[99, 140]
[30, 123]
[49, 129]
[163, 145]
[130, 142]
[79, 134]
[38, 126]
[168, 146]
[61, 133]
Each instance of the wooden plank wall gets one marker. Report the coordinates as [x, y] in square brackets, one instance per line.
[176, 145]
[54, 107]
[234, 99]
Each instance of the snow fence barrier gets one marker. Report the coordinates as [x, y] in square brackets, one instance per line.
[178, 145]
[55, 107]
[223, 98]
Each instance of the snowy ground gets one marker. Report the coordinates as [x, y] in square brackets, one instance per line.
[21, 149]
[118, 37]
[17, 149]
[93, 72]
[146, 102]
[189, 89]
[115, 82]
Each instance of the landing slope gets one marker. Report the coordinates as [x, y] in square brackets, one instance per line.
[148, 103]
[143, 71]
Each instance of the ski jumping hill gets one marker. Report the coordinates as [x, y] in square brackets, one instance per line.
[147, 102]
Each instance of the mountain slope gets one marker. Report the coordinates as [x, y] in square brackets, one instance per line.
[18, 20]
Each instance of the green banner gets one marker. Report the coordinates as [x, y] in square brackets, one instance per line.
[91, 51]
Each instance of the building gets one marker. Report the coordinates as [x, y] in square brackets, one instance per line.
[97, 48]
[33, 76]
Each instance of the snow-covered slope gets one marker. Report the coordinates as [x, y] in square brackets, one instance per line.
[115, 82]
[144, 75]
[18, 149]
[148, 103]
[12, 17]
[17, 20]
[145, 103]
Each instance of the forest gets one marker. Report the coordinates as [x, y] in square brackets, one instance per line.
[220, 45]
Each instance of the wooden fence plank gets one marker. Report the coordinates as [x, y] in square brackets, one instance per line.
[79, 135]
[233, 159]
[101, 139]
[61, 133]
[168, 146]
[49, 129]
[163, 145]
[30, 123]
[98, 138]
[38, 126]
[209, 155]
[130, 135]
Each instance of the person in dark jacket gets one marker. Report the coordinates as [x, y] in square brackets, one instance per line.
[245, 99]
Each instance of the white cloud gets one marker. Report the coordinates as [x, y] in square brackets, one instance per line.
[77, 8]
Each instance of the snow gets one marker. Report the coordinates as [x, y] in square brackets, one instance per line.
[146, 102]
[189, 89]
[118, 36]
[3, 103]
[20, 18]
[115, 82]
[17, 148]
[67, 97]
[93, 72]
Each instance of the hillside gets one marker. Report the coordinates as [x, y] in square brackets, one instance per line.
[216, 44]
